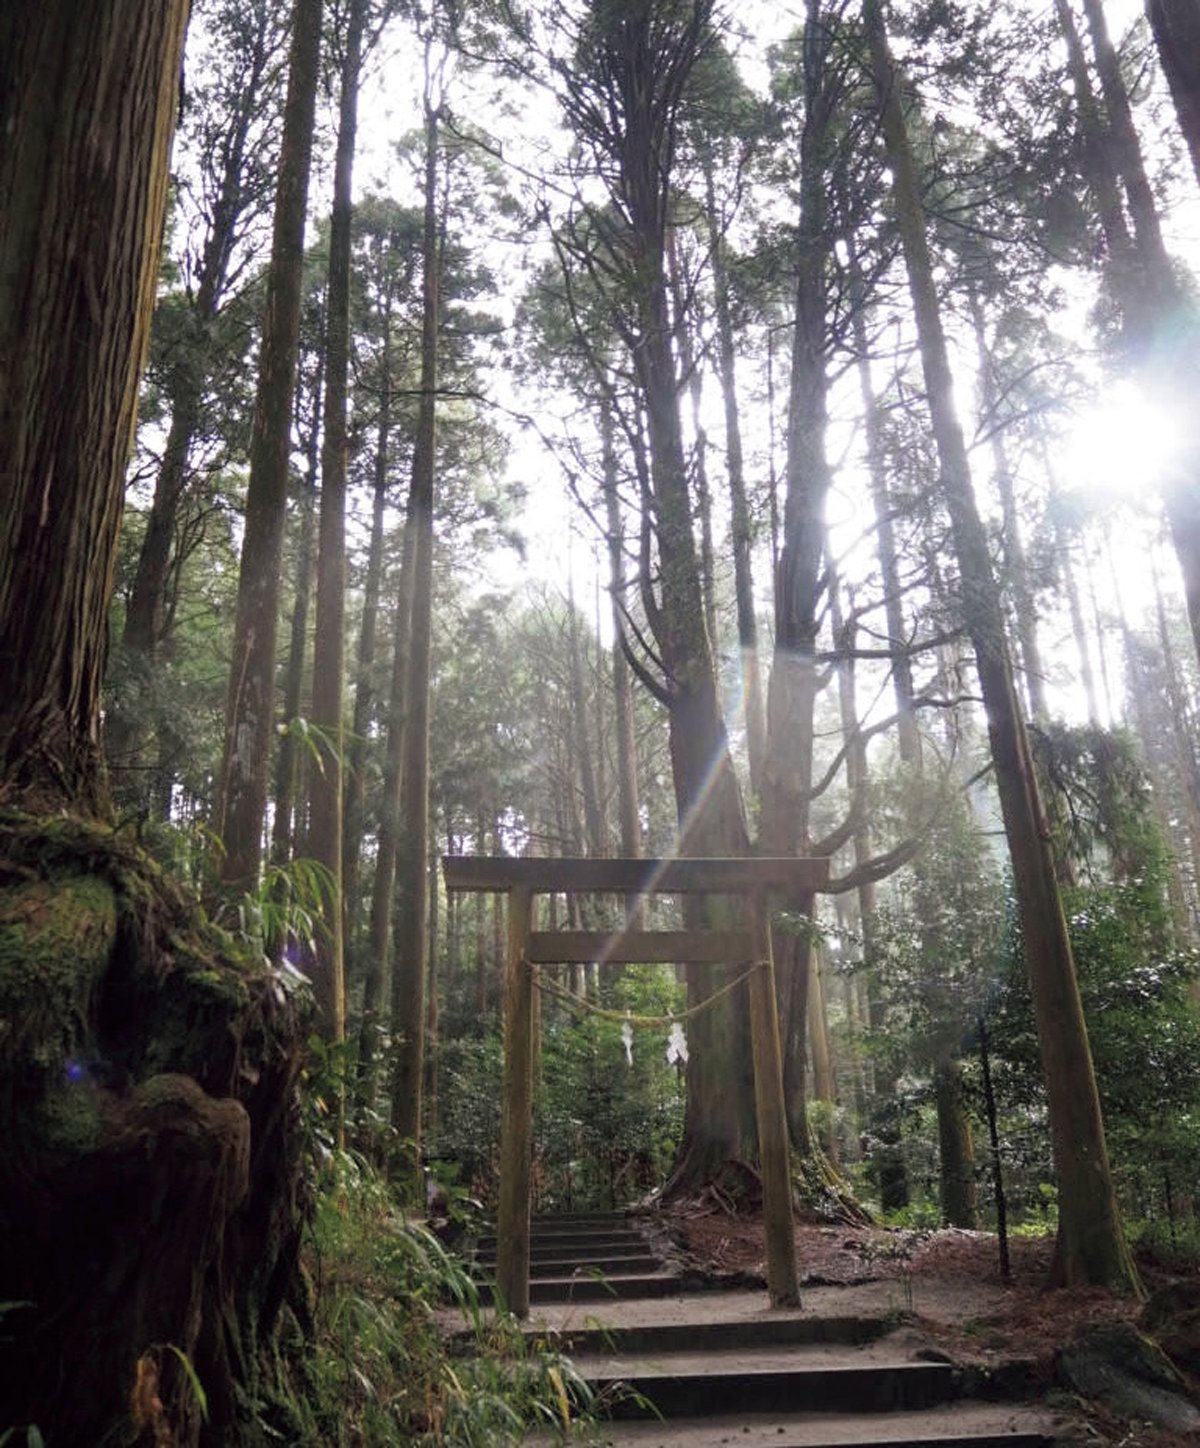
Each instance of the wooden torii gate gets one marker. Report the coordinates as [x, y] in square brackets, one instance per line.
[522, 878]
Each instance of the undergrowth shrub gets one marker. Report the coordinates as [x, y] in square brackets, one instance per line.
[405, 1353]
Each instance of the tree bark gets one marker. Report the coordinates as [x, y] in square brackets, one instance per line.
[135, 713]
[909, 737]
[80, 235]
[153, 1203]
[1176, 27]
[250, 702]
[377, 977]
[1091, 1245]
[364, 691]
[799, 585]
[824, 1084]
[1016, 561]
[593, 829]
[957, 1161]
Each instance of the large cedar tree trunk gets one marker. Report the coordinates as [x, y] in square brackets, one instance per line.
[147, 1073]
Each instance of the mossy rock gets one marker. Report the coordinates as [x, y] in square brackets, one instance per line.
[1131, 1375]
[1172, 1317]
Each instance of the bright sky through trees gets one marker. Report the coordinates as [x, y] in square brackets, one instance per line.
[1121, 446]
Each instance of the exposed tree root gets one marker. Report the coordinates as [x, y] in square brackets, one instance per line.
[734, 1186]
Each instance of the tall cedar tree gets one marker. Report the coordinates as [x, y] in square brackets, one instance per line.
[1091, 1248]
[623, 96]
[250, 701]
[148, 1176]
[412, 832]
[325, 789]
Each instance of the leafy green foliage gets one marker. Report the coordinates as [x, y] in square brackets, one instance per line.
[1135, 983]
[385, 1370]
[609, 1120]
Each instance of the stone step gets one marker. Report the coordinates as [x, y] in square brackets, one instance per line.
[625, 1262]
[970, 1425]
[613, 1287]
[581, 1221]
[652, 1339]
[765, 1379]
[560, 1243]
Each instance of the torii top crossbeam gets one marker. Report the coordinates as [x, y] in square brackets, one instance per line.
[680, 875]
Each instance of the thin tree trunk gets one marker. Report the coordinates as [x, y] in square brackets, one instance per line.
[909, 737]
[1091, 1245]
[1015, 558]
[627, 781]
[593, 829]
[364, 693]
[1140, 687]
[250, 702]
[377, 978]
[1183, 737]
[887, 1157]
[742, 536]
[412, 898]
[824, 1086]
[325, 783]
[288, 761]
[431, 1012]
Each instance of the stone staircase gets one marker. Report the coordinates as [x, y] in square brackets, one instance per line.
[584, 1257]
[677, 1368]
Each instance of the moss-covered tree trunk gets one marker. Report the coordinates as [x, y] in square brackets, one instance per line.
[147, 1074]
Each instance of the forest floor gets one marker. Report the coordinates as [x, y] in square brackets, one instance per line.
[945, 1283]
